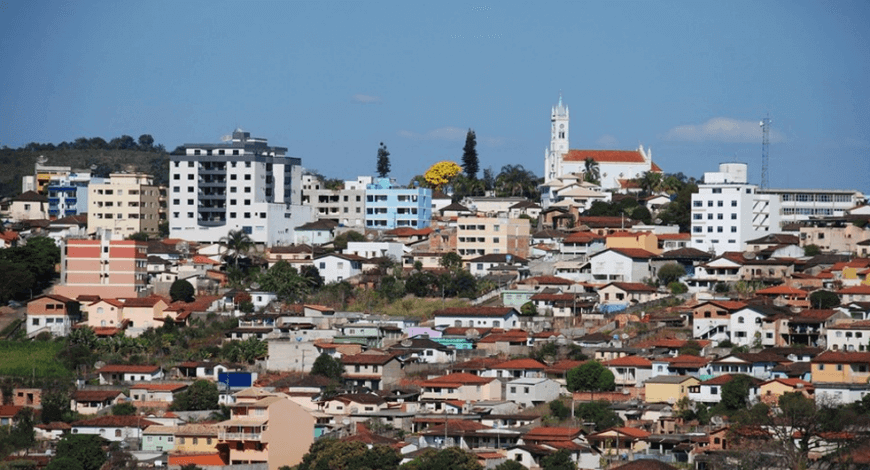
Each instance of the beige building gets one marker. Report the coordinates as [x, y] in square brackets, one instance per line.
[267, 428]
[477, 236]
[127, 203]
[668, 388]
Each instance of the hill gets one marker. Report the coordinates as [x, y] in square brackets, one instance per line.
[97, 154]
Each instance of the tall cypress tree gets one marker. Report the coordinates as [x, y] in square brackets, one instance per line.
[470, 163]
[383, 161]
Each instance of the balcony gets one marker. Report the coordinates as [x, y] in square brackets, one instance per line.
[239, 436]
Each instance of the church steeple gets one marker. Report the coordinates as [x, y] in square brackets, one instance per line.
[558, 140]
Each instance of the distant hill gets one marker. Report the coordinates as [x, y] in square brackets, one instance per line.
[96, 154]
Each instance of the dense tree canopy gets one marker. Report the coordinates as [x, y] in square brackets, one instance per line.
[201, 395]
[86, 449]
[182, 290]
[332, 454]
[452, 458]
[591, 377]
[383, 161]
[327, 366]
[470, 162]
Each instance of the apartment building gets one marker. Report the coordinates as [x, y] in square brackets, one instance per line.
[68, 194]
[345, 206]
[267, 428]
[388, 207]
[240, 184]
[727, 211]
[105, 267]
[124, 204]
[802, 204]
[478, 236]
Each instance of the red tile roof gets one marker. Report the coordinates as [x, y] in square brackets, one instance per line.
[633, 286]
[862, 289]
[457, 379]
[841, 357]
[368, 359]
[684, 361]
[782, 289]
[525, 364]
[95, 395]
[635, 253]
[127, 421]
[123, 368]
[552, 280]
[604, 156]
[545, 433]
[582, 237]
[629, 361]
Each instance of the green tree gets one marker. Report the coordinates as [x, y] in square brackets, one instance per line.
[528, 309]
[201, 395]
[824, 299]
[671, 272]
[735, 394]
[139, 237]
[812, 250]
[559, 460]
[327, 366]
[422, 284]
[64, 463]
[86, 449]
[598, 413]
[55, 405]
[383, 161]
[650, 183]
[146, 142]
[591, 377]
[22, 435]
[592, 173]
[678, 288]
[326, 454]
[452, 458]
[514, 180]
[679, 210]
[470, 162]
[237, 243]
[340, 241]
[182, 290]
[451, 261]
[124, 409]
[691, 348]
[510, 465]
[559, 410]
[285, 281]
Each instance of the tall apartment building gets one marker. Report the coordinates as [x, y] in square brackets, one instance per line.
[124, 204]
[802, 204]
[346, 206]
[388, 207]
[68, 195]
[727, 211]
[477, 236]
[105, 267]
[241, 184]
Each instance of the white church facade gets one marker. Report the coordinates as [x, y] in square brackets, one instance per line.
[614, 166]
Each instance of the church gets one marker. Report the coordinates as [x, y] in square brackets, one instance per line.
[615, 167]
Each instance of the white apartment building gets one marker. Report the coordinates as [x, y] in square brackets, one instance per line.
[124, 204]
[241, 184]
[727, 211]
[803, 204]
[346, 206]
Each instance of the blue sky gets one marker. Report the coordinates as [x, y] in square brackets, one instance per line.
[330, 80]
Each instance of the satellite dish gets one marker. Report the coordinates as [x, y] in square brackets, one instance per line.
[406, 343]
[472, 333]
[99, 365]
[748, 255]
[658, 221]
[625, 336]
[345, 421]
[226, 138]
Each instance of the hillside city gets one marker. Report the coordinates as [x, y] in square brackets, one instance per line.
[237, 311]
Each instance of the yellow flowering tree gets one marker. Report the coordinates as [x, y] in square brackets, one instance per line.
[441, 173]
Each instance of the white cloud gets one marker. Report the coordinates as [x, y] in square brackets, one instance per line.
[607, 141]
[722, 129]
[366, 99]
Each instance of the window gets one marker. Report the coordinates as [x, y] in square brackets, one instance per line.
[734, 216]
[176, 176]
[839, 367]
[247, 177]
[720, 203]
[734, 203]
[733, 229]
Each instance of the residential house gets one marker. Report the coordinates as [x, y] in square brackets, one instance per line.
[694, 366]
[622, 265]
[668, 388]
[712, 319]
[621, 295]
[423, 350]
[319, 232]
[29, 205]
[374, 369]
[158, 438]
[336, 267]
[583, 244]
[770, 391]
[859, 293]
[113, 373]
[759, 365]
[481, 265]
[630, 371]
[193, 439]
[460, 386]
[54, 314]
[848, 336]
[785, 295]
[477, 317]
[709, 391]
[620, 440]
[841, 367]
[113, 428]
[518, 368]
[268, 428]
[647, 241]
[89, 402]
[156, 392]
[531, 392]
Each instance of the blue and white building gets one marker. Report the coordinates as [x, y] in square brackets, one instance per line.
[389, 207]
[68, 195]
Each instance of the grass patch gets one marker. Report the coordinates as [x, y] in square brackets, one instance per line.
[10, 327]
[29, 359]
[410, 306]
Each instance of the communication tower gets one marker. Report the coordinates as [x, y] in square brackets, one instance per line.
[765, 144]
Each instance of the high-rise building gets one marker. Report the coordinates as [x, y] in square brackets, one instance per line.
[478, 236]
[727, 211]
[124, 204]
[240, 184]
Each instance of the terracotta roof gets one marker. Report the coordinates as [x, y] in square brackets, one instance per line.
[543, 433]
[30, 196]
[841, 357]
[457, 379]
[456, 426]
[635, 253]
[115, 421]
[544, 297]
[122, 368]
[9, 410]
[645, 464]
[629, 361]
[582, 237]
[512, 336]
[368, 359]
[675, 236]
[563, 366]
[604, 156]
[482, 363]
[551, 280]
[724, 379]
[862, 289]
[526, 364]
[633, 286]
[149, 301]
[684, 361]
[625, 430]
[782, 289]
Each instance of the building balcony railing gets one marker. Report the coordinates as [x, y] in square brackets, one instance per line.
[239, 436]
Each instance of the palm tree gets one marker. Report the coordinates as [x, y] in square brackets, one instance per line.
[592, 173]
[651, 182]
[238, 243]
[514, 180]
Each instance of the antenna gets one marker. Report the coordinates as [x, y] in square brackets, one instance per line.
[765, 144]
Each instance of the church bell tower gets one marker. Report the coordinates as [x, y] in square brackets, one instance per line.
[558, 141]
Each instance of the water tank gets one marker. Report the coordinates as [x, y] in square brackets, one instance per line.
[737, 172]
